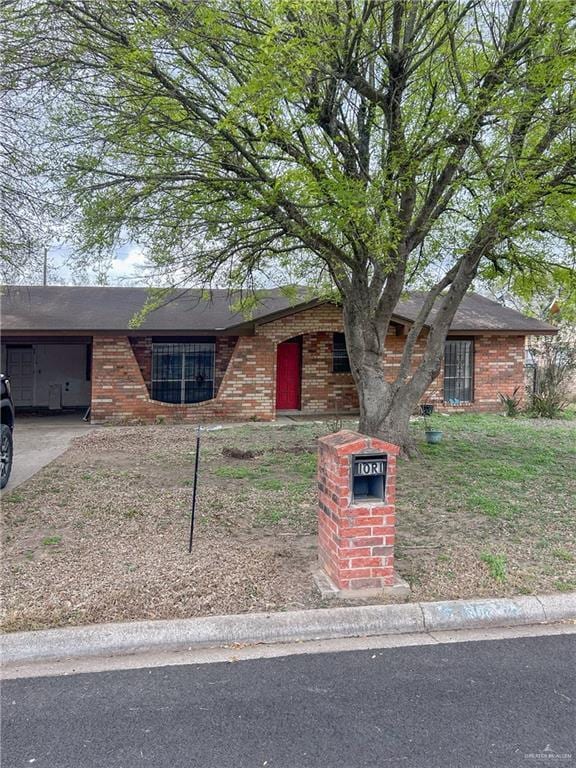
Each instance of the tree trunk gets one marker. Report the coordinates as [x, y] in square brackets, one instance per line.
[385, 407]
[385, 411]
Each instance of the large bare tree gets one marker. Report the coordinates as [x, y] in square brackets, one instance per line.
[375, 144]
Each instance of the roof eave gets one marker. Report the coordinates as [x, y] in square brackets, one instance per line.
[243, 330]
[502, 332]
[280, 313]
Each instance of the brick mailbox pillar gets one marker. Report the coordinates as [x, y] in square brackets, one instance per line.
[356, 516]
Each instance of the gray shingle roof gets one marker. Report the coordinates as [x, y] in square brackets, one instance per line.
[477, 313]
[103, 308]
[29, 309]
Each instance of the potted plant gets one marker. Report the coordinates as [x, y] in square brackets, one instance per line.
[433, 436]
[427, 407]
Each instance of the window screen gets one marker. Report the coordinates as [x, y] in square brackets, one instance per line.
[183, 373]
[340, 360]
[458, 368]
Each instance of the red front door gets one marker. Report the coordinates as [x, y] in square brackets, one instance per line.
[288, 376]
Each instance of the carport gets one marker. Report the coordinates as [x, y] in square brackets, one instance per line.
[48, 373]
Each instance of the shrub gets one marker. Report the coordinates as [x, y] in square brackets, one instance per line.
[546, 405]
[511, 403]
[555, 361]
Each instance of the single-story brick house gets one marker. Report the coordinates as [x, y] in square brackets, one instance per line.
[197, 358]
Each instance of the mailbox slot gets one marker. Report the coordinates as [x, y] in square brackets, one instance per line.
[369, 477]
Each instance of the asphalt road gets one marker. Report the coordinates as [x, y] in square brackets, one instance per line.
[486, 704]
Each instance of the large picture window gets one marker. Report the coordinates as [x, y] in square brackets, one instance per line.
[458, 371]
[183, 372]
[340, 359]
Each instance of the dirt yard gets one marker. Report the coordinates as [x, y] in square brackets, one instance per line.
[102, 533]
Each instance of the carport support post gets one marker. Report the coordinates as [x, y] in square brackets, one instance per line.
[356, 516]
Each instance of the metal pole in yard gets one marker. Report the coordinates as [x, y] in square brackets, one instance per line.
[195, 483]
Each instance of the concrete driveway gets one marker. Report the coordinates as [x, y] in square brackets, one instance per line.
[38, 440]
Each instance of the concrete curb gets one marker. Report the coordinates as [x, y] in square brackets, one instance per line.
[251, 629]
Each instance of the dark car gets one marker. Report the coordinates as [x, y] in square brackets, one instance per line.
[7, 427]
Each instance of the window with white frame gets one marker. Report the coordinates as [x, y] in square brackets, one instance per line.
[183, 372]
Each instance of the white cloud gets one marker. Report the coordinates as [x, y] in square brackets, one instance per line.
[128, 268]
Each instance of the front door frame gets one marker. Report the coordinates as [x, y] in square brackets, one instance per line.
[296, 340]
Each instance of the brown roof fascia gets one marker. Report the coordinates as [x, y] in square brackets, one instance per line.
[397, 320]
[500, 332]
[29, 333]
[296, 309]
[43, 338]
[237, 330]
[243, 330]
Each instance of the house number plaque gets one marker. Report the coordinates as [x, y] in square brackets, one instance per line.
[369, 478]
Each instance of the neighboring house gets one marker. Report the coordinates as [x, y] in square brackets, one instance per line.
[198, 359]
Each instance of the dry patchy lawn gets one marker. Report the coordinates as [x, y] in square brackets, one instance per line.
[101, 534]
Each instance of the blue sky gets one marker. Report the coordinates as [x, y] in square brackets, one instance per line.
[125, 266]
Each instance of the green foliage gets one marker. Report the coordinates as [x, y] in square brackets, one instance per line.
[496, 565]
[268, 484]
[554, 362]
[546, 405]
[489, 505]
[511, 402]
[564, 555]
[565, 586]
[156, 298]
[304, 464]
[361, 148]
[271, 515]
[262, 135]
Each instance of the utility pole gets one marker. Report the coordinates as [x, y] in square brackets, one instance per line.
[45, 270]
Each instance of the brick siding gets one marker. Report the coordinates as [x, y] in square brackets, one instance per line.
[245, 373]
[224, 349]
[142, 348]
[323, 390]
[498, 367]
[355, 539]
